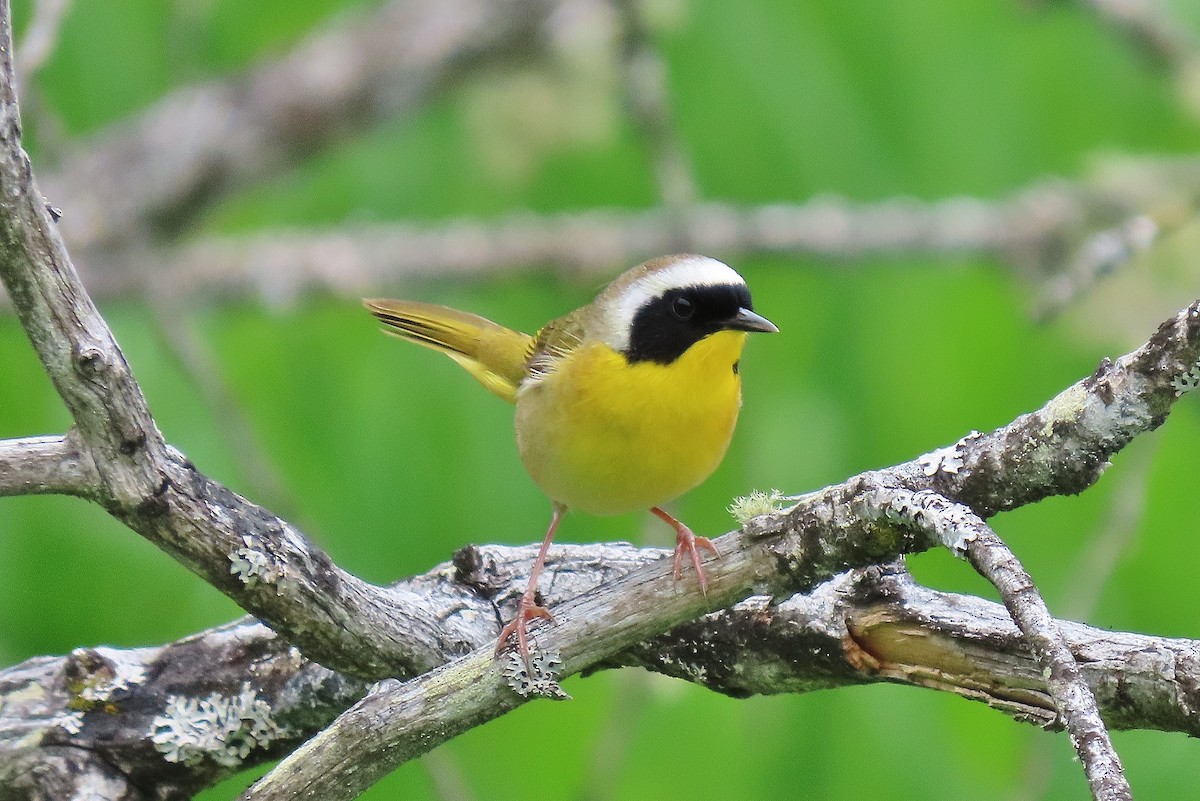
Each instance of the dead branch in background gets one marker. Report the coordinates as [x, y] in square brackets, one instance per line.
[129, 192]
[1104, 222]
[1149, 27]
[202, 142]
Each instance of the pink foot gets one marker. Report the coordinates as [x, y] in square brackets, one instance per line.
[527, 610]
[688, 543]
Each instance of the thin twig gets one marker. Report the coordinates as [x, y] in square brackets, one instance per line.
[1099, 256]
[1110, 541]
[1074, 699]
[966, 535]
[196, 360]
[1093, 569]
[40, 40]
[645, 82]
[446, 774]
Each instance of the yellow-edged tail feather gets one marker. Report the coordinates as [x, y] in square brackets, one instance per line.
[494, 355]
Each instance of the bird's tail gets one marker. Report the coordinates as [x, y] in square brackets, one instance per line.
[495, 355]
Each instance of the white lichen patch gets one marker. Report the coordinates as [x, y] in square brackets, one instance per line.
[219, 728]
[697, 674]
[954, 528]
[70, 722]
[537, 678]
[251, 563]
[952, 524]
[946, 460]
[118, 673]
[466, 616]
[943, 459]
[384, 685]
[747, 507]
[219, 515]
[1186, 382]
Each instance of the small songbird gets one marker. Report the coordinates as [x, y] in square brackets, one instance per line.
[623, 404]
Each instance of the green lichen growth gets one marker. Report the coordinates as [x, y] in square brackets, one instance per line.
[746, 507]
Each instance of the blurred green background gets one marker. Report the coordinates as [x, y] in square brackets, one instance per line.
[391, 457]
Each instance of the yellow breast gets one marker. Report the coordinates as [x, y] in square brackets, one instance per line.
[605, 436]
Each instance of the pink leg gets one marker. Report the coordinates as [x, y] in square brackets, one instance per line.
[527, 608]
[687, 542]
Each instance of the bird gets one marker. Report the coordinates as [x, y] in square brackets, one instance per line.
[621, 405]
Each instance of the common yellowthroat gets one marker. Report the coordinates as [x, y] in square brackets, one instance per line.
[623, 404]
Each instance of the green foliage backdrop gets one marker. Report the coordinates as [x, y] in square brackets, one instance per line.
[392, 458]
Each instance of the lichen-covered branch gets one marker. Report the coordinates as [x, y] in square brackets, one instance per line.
[175, 718]
[823, 534]
[117, 457]
[1064, 447]
[877, 624]
[967, 536]
[1064, 679]
[164, 715]
[1061, 448]
[72, 340]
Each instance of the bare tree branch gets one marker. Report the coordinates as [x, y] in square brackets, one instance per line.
[877, 624]
[44, 465]
[388, 62]
[72, 340]
[259, 560]
[1106, 545]
[1060, 448]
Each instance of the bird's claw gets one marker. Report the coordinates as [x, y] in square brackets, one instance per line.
[527, 609]
[689, 543]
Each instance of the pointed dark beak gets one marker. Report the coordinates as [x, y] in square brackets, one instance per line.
[746, 320]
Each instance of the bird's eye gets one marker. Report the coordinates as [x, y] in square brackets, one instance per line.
[682, 308]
